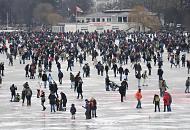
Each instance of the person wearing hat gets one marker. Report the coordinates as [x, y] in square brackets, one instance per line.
[88, 109]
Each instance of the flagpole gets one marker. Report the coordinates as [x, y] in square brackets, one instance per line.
[76, 19]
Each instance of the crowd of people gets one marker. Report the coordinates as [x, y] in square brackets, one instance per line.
[134, 49]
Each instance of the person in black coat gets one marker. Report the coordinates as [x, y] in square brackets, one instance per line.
[107, 83]
[55, 88]
[149, 68]
[160, 73]
[60, 76]
[126, 71]
[13, 89]
[122, 91]
[69, 64]
[44, 79]
[188, 66]
[2, 68]
[121, 71]
[52, 101]
[27, 70]
[77, 81]
[50, 65]
[79, 88]
[58, 66]
[73, 111]
[106, 69]
[63, 101]
[115, 68]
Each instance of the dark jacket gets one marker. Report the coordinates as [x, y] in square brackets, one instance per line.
[44, 77]
[122, 90]
[60, 74]
[52, 99]
[79, 88]
[73, 110]
[63, 98]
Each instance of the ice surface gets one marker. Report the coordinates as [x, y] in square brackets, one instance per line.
[112, 114]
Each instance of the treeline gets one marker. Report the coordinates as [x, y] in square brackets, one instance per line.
[36, 12]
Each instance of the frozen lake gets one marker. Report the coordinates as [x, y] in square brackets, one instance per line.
[112, 114]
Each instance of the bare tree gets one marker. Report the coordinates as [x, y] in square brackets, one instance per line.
[142, 16]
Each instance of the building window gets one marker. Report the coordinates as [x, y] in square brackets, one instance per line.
[87, 20]
[119, 19]
[93, 20]
[98, 20]
[108, 19]
[124, 19]
[103, 19]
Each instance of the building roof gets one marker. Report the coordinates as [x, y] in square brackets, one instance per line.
[101, 14]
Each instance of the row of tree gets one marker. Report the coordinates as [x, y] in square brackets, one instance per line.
[36, 12]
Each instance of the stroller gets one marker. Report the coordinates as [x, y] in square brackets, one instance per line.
[113, 86]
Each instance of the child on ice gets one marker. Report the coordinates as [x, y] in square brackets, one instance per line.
[73, 111]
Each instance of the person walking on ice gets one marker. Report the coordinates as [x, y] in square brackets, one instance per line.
[73, 111]
[144, 76]
[138, 96]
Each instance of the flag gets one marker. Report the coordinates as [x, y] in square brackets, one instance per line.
[79, 9]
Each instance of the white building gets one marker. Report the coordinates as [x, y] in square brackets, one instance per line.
[100, 21]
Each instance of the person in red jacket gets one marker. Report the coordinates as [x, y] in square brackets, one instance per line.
[138, 96]
[167, 101]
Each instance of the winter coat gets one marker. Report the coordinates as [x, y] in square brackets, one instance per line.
[60, 74]
[93, 104]
[63, 98]
[121, 70]
[52, 99]
[160, 72]
[28, 92]
[167, 98]
[187, 83]
[122, 90]
[73, 110]
[42, 97]
[156, 99]
[13, 88]
[126, 71]
[138, 95]
[79, 88]
[44, 77]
